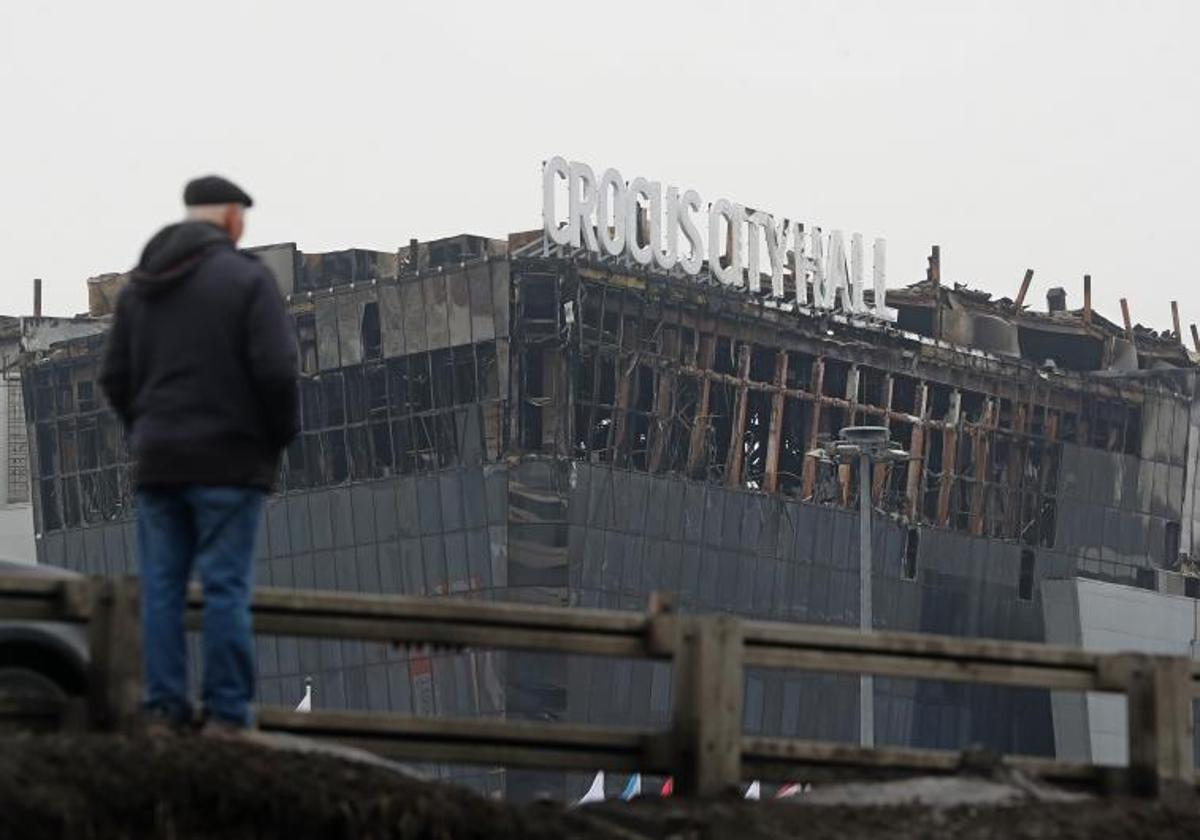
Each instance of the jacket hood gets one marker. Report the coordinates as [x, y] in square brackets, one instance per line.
[174, 253]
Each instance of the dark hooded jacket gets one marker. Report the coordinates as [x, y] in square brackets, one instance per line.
[201, 363]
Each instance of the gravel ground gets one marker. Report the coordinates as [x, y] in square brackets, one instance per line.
[187, 788]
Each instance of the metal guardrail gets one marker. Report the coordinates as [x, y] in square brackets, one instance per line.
[704, 747]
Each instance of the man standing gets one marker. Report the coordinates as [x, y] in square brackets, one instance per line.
[201, 366]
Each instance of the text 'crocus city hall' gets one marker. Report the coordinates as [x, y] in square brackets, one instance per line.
[635, 398]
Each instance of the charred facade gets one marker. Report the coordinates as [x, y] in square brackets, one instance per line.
[491, 419]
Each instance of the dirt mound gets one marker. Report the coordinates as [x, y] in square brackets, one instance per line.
[190, 788]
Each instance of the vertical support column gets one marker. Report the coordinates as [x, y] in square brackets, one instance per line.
[949, 458]
[697, 451]
[775, 432]
[866, 682]
[916, 455]
[809, 476]
[706, 718]
[737, 433]
[1087, 300]
[115, 664]
[1159, 698]
[664, 398]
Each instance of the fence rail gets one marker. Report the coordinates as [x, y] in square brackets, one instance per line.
[703, 747]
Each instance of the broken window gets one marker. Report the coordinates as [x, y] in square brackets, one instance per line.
[793, 444]
[306, 336]
[640, 417]
[539, 297]
[372, 336]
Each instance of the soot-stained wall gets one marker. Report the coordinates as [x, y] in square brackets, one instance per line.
[613, 536]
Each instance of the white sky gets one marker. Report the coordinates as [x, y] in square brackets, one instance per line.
[1061, 136]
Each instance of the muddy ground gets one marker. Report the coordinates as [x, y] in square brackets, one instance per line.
[189, 788]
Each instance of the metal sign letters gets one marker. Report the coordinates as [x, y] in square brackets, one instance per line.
[744, 248]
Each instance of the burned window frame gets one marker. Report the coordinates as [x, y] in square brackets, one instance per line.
[658, 385]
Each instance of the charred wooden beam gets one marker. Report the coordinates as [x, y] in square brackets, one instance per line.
[981, 455]
[737, 433]
[1020, 301]
[697, 446]
[949, 458]
[775, 432]
[626, 366]
[1175, 321]
[916, 454]
[664, 400]
[1062, 400]
[1125, 317]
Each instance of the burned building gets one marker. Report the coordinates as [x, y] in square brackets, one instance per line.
[515, 420]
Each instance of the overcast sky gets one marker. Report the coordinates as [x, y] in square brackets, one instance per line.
[1060, 136]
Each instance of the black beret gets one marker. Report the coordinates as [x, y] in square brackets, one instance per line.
[213, 189]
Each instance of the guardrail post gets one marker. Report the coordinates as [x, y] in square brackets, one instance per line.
[114, 640]
[1158, 692]
[706, 715]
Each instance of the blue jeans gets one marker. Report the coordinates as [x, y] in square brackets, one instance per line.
[213, 530]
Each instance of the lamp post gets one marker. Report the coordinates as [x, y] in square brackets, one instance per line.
[867, 445]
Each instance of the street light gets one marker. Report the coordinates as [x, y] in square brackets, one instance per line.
[866, 444]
